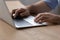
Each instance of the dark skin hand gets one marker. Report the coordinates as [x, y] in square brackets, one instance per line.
[37, 8]
[20, 12]
[33, 9]
[47, 17]
[41, 17]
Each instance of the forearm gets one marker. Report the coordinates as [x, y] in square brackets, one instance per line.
[58, 19]
[39, 7]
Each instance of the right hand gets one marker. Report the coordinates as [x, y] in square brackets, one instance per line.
[20, 13]
[47, 17]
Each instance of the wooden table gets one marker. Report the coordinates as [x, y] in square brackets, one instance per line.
[37, 33]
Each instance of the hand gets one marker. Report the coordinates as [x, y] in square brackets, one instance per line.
[20, 13]
[47, 17]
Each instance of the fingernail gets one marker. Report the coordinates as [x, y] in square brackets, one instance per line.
[40, 21]
[14, 16]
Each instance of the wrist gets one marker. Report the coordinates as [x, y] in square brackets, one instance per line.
[58, 19]
[31, 8]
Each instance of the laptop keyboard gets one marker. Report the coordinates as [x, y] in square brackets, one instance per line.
[21, 23]
[26, 22]
[30, 20]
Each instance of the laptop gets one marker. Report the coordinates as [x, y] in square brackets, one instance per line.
[21, 23]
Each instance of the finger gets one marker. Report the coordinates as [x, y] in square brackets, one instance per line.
[37, 19]
[25, 14]
[41, 19]
[13, 11]
[21, 10]
[22, 14]
[12, 15]
[38, 16]
[44, 19]
[16, 13]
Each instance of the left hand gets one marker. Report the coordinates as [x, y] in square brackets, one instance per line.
[22, 12]
[47, 17]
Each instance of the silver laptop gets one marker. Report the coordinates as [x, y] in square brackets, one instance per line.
[22, 23]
